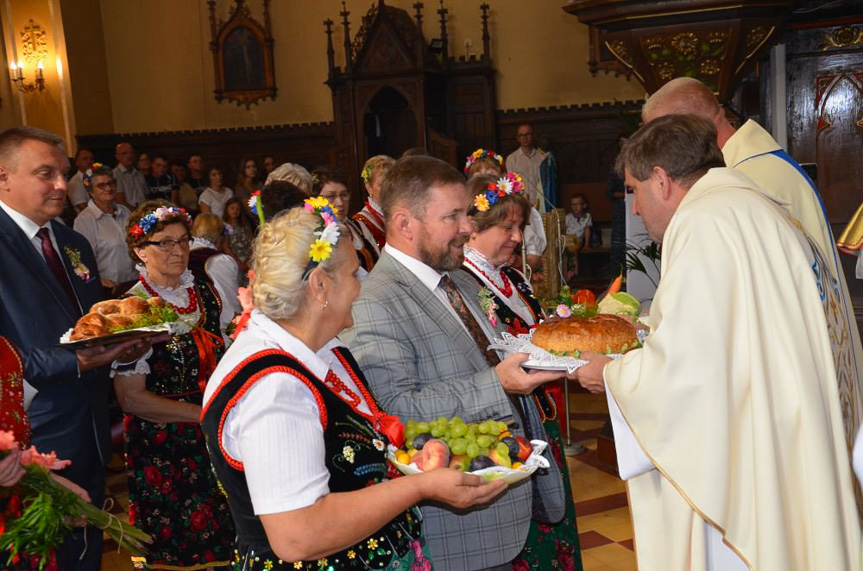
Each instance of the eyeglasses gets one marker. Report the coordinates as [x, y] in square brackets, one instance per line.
[344, 196]
[168, 244]
[104, 185]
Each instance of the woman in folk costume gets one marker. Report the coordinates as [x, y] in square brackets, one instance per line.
[296, 438]
[371, 217]
[331, 183]
[172, 490]
[499, 214]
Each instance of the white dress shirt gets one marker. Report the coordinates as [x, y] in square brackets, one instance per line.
[77, 192]
[107, 236]
[131, 184]
[275, 428]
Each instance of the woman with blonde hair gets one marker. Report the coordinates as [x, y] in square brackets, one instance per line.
[371, 217]
[297, 440]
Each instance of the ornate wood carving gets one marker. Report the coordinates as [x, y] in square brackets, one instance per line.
[436, 100]
[242, 55]
[713, 40]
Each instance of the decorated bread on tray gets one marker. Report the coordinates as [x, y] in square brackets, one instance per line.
[573, 335]
[115, 315]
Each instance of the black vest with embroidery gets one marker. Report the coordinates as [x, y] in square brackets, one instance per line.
[355, 459]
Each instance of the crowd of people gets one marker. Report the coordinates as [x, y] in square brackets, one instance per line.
[266, 448]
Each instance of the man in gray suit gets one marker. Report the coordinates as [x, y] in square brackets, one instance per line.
[422, 362]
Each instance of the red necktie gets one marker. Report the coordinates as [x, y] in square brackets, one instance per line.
[56, 267]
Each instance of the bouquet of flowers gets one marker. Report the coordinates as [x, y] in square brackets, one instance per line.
[40, 511]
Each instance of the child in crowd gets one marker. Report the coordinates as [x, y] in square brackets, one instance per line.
[579, 223]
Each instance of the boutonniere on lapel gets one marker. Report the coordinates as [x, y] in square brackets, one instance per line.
[488, 305]
[81, 270]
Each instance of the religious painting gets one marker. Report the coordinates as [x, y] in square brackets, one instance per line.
[243, 56]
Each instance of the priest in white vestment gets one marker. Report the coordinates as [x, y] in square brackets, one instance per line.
[752, 151]
[727, 421]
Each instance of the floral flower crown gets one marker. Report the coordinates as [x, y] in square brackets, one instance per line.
[481, 154]
[366, 175]
[256, 207]
[88, 174]
[327, 232]
[509, 184]
[161, 214]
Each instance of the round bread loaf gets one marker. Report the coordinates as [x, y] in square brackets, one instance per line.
[573, 335]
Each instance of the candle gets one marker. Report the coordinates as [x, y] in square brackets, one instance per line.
[39, 71]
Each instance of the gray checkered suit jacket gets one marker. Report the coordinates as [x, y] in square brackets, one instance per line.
[421, 363]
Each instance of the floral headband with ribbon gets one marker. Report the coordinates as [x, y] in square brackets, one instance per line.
[509, 184]
[88, 174]
[327, 232]
[481, 154]
[366, 175]
[161, 214]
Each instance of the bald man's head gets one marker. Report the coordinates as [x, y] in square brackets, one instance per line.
[681, 96]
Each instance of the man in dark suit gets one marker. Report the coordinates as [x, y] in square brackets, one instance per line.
[49, 278]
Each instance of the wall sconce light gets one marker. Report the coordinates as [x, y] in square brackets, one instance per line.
[17, 73]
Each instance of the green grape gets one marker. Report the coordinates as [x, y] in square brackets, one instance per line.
[455, 421]
[501, 427]
[502, 449]
[484, 427]
[442, 420]
[458, 430]
[484, 451]
[422, 427]
[459, 446]
[484, 440]
[410, 433]
[437, 431]
[411, 423]
[472, 450]
[469, 436]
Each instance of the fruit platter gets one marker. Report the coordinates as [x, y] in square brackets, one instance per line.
[486, 449]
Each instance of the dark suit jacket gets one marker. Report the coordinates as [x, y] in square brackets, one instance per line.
[69, 414]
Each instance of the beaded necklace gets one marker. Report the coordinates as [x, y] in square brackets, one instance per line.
[193, 297]
[505, 289]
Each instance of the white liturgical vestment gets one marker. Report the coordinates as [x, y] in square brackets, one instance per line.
[733, 398]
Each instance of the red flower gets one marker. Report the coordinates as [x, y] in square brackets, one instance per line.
[520, 565]
[166, 487]
[192, 464]
[165, 533]
[564, 557]
[517, 327]
[52, 564]
[2, 524]
[160, 438]
[209, 556]
[152, 476]
[198, 521]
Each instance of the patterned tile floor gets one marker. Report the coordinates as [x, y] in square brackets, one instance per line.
[604, 524]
